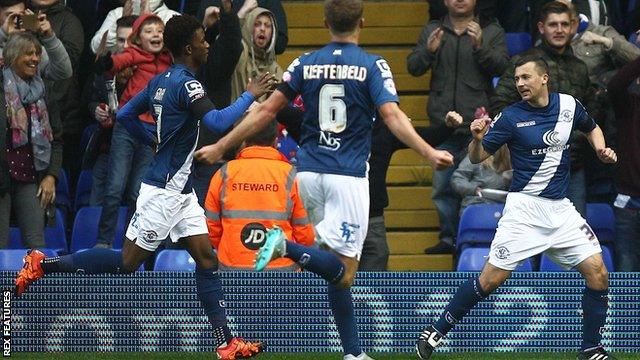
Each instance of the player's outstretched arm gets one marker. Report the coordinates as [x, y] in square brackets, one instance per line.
[596, 139]
[478, 127]
[255, 121]
[401, 127]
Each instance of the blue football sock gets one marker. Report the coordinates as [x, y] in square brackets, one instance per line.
[318, 261]
[594, 315]
[92, 261]
[342, 308]
[209, 289]
[468, 295]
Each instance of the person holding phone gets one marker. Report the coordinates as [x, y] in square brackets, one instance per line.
[12, 21]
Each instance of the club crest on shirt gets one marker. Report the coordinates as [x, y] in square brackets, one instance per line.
[566, 116]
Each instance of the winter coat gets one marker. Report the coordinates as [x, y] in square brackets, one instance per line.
[254, 61]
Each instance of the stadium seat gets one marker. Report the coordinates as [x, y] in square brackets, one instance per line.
[478, 224]
[518, 42]
[546, 264]
[494, 81]
[63, 195]
[11, 259]
[174, 260]
[54, 237]
[83, 189]
[602, 221]
[85, 228]
[474, 258]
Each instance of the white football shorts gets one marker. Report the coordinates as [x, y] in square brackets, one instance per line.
[338, 206]
[531, 225]
[161, 213]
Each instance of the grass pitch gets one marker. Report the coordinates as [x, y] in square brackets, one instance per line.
[306, 356]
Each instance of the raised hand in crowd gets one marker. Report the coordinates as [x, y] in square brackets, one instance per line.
[211, 16]
[144, 7]
[261, 85]
[127, 8]
[475, 31]
[591, 38]
[10, 24]
[44, 28]
[453, 119]
[434, 40]
[247, 7]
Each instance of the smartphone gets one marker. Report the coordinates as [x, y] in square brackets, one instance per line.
[29, 22]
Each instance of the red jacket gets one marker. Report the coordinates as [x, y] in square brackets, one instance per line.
[249, 195]
[147, 66]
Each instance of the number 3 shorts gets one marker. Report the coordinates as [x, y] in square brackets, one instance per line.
[531, 225]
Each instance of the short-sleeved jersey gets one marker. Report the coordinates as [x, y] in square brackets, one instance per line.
[341, 85]
[168, 96]
[539, 141]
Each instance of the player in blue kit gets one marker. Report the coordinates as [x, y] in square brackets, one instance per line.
[167, 204]
[537, 215]
[341, 86]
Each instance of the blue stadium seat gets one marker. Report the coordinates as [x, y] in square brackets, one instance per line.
[85, 228]
[494, 81]
[11, 259]
[518, 42]
[478, 224]
[174, 260]
[83, 189]
[546, 264]
[54, 237]
[602, 221]
[474, 258]
[63, 195]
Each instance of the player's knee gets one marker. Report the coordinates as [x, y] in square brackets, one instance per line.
[207, 260]
[345, 282]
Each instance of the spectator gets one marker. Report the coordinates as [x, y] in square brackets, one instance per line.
[129, 159]
[511, 14]
[568, 75]
[68, 29]
[102, 106]
[130, 7]
[10, 11]
[242, 7]
[251, 194]
[258, 55]
[463, 52]
[31, 161]
[470, 179]
[624, 92]
[223, 33]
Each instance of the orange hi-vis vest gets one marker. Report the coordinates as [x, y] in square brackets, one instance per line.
[249, 195]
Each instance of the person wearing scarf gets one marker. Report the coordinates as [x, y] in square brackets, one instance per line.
[32, 155]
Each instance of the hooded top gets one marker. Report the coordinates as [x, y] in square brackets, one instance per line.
[156, 6]
[147, 65]
[254, 61]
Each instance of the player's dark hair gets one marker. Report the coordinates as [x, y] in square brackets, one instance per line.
[541, 64]
[343, 16]
[179, 32]
[7, 3]
[264, 137]
[554, 7]
[126, 21]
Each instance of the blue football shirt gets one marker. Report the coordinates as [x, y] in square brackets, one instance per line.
[539, 141]
[341, 86]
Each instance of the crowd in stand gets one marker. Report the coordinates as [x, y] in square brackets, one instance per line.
[68, 67]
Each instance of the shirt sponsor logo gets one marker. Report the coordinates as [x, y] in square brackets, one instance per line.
[525, 124]
[551, 138]
[549, 149]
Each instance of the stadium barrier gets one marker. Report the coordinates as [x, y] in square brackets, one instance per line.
[159, 311]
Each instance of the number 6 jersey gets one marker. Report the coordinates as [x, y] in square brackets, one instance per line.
[341, 86]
